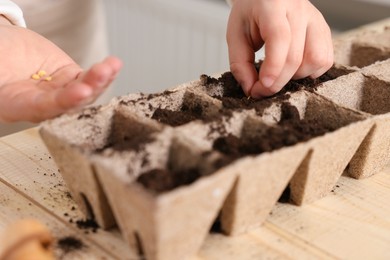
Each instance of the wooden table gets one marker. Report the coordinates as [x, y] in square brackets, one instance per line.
[353, 222]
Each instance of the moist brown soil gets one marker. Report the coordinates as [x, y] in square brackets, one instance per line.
[69, 244]
[233, 89]
[163, 180]
[127, 135]
[175, 118]
[289, 131]
[87, 224]
[183, 116]
[233, 96]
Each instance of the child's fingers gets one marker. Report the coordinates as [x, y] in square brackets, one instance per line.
[318, 55]
[276, 33]
[330, 54]
[293, 61]
[241, 53]
[80, 92]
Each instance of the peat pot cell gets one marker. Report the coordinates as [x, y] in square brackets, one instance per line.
[172, 206]
[316, 111]
[370, 49]
[146, 104]
[232, 96]
[302, 117]
[362, 48]
[130, 132]
[360, 92]
[71, 139]
[195, 106]
[185, 165]
[87, 130]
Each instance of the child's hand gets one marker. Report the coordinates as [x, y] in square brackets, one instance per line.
[297, 43]
[64, 87]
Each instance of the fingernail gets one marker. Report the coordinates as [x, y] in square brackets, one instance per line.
[254, 93]
[267, 82]
[86, 101]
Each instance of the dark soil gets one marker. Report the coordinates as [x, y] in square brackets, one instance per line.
[174, 118]
[233, 89]
[164, 180]
[128, 135]
[183, 116]
[87, 224]
[89, 112]
[145, 97]
[234, 98]
[69, 244]
[290, 130]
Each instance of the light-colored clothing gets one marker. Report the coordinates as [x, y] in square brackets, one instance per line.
[12, 12]
[77, 27]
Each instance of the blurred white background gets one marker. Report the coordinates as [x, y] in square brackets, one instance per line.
[162, 43]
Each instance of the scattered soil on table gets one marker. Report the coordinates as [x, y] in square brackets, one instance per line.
[87, 225]
[69, 244]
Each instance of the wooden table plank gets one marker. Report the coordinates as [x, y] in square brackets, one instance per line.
[351, 223]
[26, 165]
[14, 206]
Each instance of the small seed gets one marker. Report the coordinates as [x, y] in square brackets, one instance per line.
[48, 78]
[35, 76]
[41, 73]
